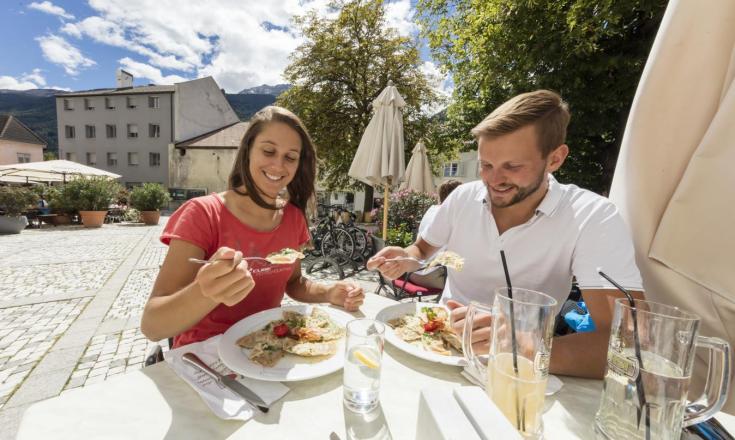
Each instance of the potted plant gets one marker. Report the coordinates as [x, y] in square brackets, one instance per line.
[13, 201]
[91, 197]
[61, 206]
[149, 198]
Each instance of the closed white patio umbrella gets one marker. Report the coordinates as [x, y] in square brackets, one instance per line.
[674, 180]
[52, 171]
[418, 175]
[379, 160]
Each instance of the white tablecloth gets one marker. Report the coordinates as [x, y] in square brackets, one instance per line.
[155, 403]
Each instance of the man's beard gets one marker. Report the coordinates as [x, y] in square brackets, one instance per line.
[521, 192]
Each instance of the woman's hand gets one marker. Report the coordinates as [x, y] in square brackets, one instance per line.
[391, 269]
[481, 326]
[346, 294]
[226, 279]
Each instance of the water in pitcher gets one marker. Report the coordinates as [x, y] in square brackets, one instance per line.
[665, 390]
[519, 396]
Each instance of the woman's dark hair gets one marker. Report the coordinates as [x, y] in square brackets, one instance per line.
[301, 188]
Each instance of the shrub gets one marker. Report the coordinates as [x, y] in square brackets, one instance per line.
[16, 199]
[400, 236]
[149, 197]
[90, 194]
[405, 209]
[132, 215]
[59, 201]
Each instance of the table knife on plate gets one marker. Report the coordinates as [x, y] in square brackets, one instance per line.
[232, 384]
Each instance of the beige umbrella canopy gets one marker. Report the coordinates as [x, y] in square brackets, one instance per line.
[418, 175]
[379, 158]
[51, 171]
[674, 180]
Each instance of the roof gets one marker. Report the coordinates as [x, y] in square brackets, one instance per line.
[226, 137]
[121, 91]
[11, 129]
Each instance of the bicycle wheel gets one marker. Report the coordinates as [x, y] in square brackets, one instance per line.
[338, 245]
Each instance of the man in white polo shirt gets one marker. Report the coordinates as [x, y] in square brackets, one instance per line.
[549, 232]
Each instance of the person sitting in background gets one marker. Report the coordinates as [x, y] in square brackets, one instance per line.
[550, 232]
[42, 206]
[192, 303]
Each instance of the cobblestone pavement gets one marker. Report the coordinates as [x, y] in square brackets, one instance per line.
[70, 306]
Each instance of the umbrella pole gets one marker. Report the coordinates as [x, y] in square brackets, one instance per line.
[385, 212]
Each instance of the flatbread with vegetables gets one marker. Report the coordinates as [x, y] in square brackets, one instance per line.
[301, 335]
[449, 259]
[285, 256]
[428, 329]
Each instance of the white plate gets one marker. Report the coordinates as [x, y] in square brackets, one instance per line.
[290, 367]
[400, 309]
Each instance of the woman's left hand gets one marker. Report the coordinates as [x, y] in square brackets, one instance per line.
[346, 294]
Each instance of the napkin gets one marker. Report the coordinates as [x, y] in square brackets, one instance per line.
[553, 383]
[221, 400]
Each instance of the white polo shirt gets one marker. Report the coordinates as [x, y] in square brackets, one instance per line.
[573, 232]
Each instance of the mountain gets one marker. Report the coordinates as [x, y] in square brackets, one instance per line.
[265, 89]
[37, 109]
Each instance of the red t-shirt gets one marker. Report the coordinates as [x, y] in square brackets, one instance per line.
[208, 224]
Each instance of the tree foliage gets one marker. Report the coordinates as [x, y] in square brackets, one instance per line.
[590, 51]
[343, 65]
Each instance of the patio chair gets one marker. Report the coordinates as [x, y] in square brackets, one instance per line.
[114, 215]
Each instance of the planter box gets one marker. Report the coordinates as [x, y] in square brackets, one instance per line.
[12, 225]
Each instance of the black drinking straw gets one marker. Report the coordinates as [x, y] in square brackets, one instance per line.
[520, 425]
[637, 343]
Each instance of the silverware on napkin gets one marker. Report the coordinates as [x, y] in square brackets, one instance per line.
[232, 384]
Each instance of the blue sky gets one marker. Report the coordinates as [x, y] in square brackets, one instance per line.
[75, 45]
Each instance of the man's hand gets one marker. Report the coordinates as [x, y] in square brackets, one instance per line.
[391, 269]
[346, 294]
[481, 326]
[226, 279]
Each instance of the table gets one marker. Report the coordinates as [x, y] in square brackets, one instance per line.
[155, 403]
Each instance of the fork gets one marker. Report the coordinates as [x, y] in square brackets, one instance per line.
[422, 263]
[197, 260]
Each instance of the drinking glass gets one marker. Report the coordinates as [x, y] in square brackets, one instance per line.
[645, 389]
[363, 359]
[518, 356]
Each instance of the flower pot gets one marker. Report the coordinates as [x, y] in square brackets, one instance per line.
[93, 219]
[12, 225]
[150, 217]
[59, 219]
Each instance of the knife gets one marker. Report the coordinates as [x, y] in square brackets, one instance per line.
[235, 386]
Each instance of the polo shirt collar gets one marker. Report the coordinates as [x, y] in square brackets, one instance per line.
[551, 199]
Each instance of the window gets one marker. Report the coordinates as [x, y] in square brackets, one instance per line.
[130, 102]
[71, 156]
[133, 158]
[108, 104]
[69, 131]
[154, 159]
[90, 131]
[88, 104]
[91, 158]
[24, 157]
[154, 130]
[68, 105]
[111, 130]
[153, 101]
[111, 159]
[451, 169]
[132, 130]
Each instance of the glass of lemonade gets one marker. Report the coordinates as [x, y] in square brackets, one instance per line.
[363, 359]
[516, 378]
[645, 389]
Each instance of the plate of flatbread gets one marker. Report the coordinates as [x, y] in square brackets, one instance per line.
[289, 343]
[422, 330]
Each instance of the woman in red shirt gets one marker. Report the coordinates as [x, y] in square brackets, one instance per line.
[192, 303]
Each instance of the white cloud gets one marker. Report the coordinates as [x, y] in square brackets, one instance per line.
[58, 51]
[399, 15]
[33, 80]
[50, 8]
[142, 70]
[35, 77]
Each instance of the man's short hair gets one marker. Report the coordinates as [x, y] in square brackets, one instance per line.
[543, 108]
[446, 188]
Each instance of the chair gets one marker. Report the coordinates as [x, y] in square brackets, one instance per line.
[403, 288]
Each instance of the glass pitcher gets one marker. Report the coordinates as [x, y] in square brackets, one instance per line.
[518, 355]
[646, 381]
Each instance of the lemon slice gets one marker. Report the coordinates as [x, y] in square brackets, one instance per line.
[366, 360]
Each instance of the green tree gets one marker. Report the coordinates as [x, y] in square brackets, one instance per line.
[590, 51]
[342, 66]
